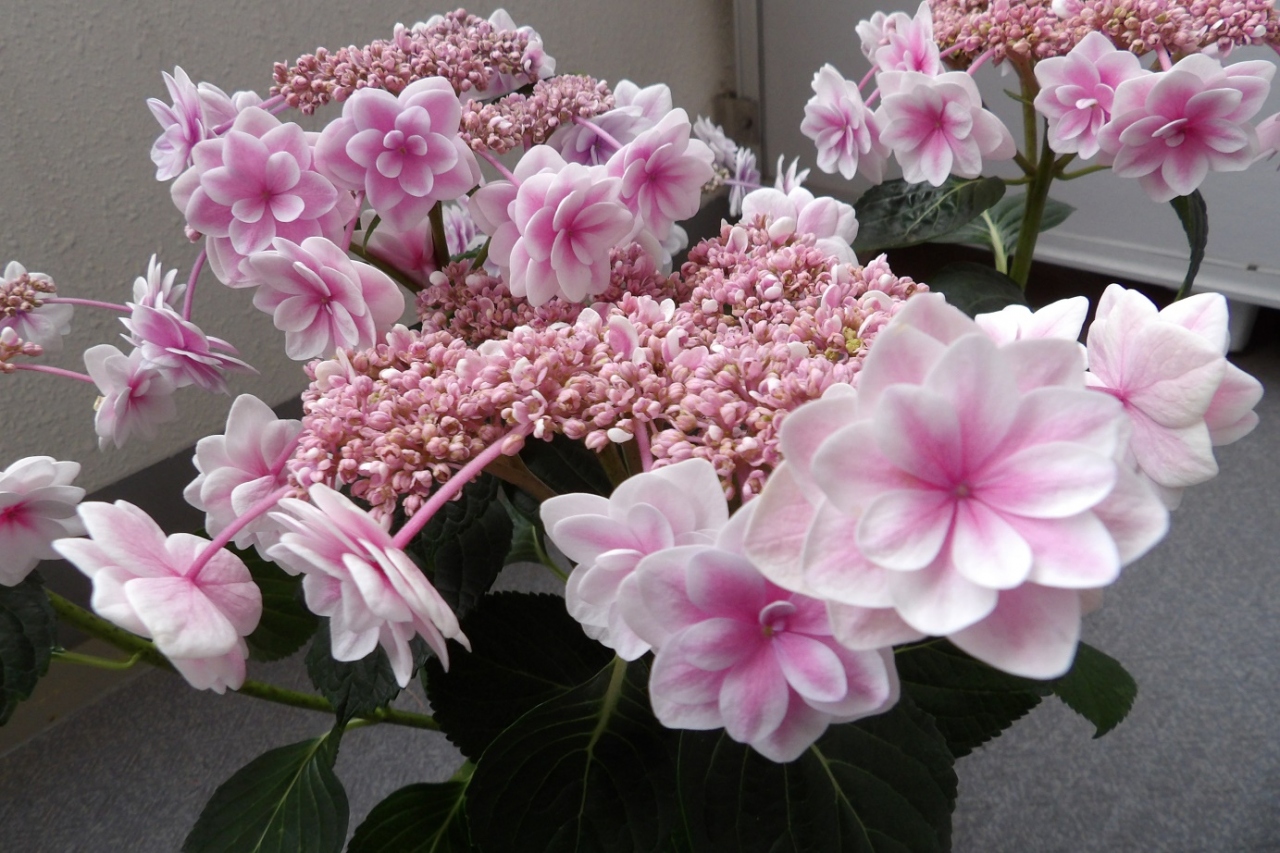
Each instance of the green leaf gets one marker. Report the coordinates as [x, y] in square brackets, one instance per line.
[464, 545]
[1097, 688]
[355, 688]
[28, 633]
[970, 701]
[897, 213]
[525, 650]
[566, 466]
[976, 288]
[1005, 219]
[590, 771]
[886, 783]
[286, 623]
[1194, 216]
[284, 801]
[421, 818]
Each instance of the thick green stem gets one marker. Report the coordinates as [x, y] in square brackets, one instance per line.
[1080, 173]
[94, 661]
[439, 243]
[1037, 195]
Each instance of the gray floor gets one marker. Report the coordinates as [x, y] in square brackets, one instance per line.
[1196, 767]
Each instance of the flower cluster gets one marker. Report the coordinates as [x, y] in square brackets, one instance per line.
[523, 120]
[24, 310]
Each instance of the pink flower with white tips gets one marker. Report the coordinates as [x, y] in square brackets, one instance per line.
[157, 288]
[180, 349]
[937, 126]
[553, 228]
[403, 150]
[662, 172]
[320, 298]
[254, 184]
[681, 504]
[964, 490]
[909, 44]
[844, 130]
[371, 591]
[183, 124]
[135, 397]
[1077, 92]
[1172, 128]
[737, 651]
[37, 506]
[1170, 371]
[242, 467]
[147, 583]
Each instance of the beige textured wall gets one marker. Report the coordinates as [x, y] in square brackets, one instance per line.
[80, 201]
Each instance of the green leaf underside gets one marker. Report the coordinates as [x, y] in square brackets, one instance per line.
[896, 213]
[526, 650]
[1006, 218]
[286, 623]
[1097, 688]
[28, 633]
[464, 546]
[885, 783]
[976, 288]
[421, 818]
[590, 770]
[355, 688]
[566, 466]
[284, 801]
[1194, 216]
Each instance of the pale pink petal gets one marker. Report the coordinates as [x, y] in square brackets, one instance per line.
[754, 697]
[1033, 632]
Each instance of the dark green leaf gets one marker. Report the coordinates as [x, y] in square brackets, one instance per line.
[525, 650]
[355, 688]
[1194, 216]
[1097, 688]
[526, 543]
[970, 701]
[976, 288]
[1003, 222]
[284, 801]
[286, 623]
[28, 633]
[566, 466]
[464, 546]
[880, 784]
[422, 818]
[590, 770]
[897, 213]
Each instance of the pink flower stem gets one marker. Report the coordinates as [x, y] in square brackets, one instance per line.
[188, 299]
[871, 99]
[495, 163]
[866, 78]
[445, 493]
[88, 303]
[351, 226]
[642, 444]
[597, 130]
[980, 61]
[1163, 55]
[954, 48]
[242, 521]
[748, 184]
[55, 371]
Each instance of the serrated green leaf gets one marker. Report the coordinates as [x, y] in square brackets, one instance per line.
[464, 546]
[355, 688]
[590, 771]
[976, 288]
[286, 800]
[525, 650]
[896, 213]
[286, 623]
[970, 701]
[1193, 213]
[886, 783]
[1097, 688]
[566, 466]
[1003, 222]
[28, 633]
[421, 818]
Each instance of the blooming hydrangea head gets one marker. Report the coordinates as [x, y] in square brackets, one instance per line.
[662, 172]
[908, 43]
[681, 504]
[182, 123]
[179, 349]
[37, 506]
[135, 397]
[22, 308]
[1077, 92]
[845, 131]
[832, 222]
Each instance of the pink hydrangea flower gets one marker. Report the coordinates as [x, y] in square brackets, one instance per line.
[254, 184]
[242, 467]
[662, 172]
[22, 309]
[737, 651]
[320, 298]
[909, 44]
[37, 506]
[553, 228]
[681, 504]
[1170, 371]
[937, 126]
[182, 123]
[832, 222]
[1077, 92]
[180, 350]
[403, 150]
[871, 34]
[157, 289]
[135, 397]
[144, 582]
[371, 591]
[845, 131]
[1170, 129]
[965, 490]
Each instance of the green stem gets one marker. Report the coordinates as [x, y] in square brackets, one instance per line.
[1037, 195]
[997, 243]
[95, 661]
[439, 244]
[374, 261]
[481, 256]
[1080, 173]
